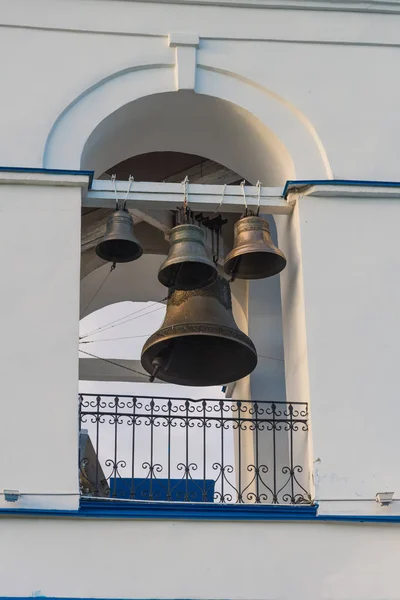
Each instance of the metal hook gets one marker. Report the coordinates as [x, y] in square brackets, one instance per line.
[113, 178]
[185, 190]
[131, 180]
[222, 197]
[258, 185]
[185, 184]
[242, 184]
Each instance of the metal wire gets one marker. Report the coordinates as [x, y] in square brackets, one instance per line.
[111, 362]
[129, 337]
[98, 290]
[121, 320]
[270, 358]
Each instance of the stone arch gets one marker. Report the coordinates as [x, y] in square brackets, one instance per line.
[273, 140]
[251, 131]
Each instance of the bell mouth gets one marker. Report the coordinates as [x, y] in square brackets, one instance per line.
[188, 275]
[119, 251]
[255, 265]
[211, 356]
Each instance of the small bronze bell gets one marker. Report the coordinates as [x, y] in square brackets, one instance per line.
[199, 342]
[187, 265]
[119, 243]
[254, 255]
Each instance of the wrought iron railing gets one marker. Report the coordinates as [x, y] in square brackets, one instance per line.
[174, 449]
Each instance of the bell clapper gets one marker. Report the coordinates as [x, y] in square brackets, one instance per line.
[235, 269]
[160, 362]
[218, 233]
[157, 363]
[176, 276]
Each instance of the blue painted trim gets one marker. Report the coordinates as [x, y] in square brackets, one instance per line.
[306, 182]
[89, 174]
[97, 508]
[199, 511]
[38, 512]
[120, 509]
[361, 518]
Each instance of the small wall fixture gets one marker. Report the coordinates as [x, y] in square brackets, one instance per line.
[384, 498]
[11, 495]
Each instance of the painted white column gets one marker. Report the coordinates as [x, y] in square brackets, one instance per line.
[243, 436]
[266, 449]
[341, 297]
[39, 320]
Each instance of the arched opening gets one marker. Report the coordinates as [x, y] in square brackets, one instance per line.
[164, 137]
[192, 124]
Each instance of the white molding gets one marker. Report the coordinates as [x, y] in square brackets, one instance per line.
[296, 192]
[374, 6]
[300, 143]
[183, 39]
[310, 21]
[185, 45]
[168, 196]
[26, 178]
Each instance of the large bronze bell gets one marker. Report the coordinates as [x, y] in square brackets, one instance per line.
[199, 342]
[187, 265]
[254, 255]
[119, 243]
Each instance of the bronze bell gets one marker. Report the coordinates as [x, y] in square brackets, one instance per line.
[199, 342]
[187, 265]
[254, 255]
[119, 243]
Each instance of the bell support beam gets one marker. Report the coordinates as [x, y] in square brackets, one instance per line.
[156, 196]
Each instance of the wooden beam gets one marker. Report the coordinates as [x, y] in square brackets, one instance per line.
[206, 172]
[159, 219]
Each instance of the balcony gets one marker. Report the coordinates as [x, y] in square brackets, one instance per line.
[202, 451]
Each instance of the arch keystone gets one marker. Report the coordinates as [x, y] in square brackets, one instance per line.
[185, 45]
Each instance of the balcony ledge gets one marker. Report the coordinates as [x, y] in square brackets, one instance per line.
[99, 508]
[93, 508]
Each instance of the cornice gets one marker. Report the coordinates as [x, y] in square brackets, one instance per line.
[373, 6]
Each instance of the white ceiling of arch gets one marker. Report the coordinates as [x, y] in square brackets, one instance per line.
[194, 124]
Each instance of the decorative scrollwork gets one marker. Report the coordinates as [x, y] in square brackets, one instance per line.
[203, 450]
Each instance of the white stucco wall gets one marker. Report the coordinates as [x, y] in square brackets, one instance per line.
[40, 243]
[342, 350]
[307, 82]
[314, 95]
[178, 559]
[259, 71]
